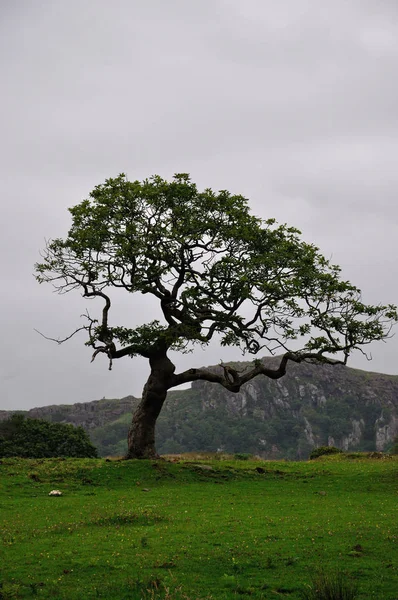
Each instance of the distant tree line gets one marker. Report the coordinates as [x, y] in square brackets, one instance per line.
[35, 438]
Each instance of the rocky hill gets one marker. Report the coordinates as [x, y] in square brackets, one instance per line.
[312, 405]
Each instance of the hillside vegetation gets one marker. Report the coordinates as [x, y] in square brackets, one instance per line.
[197, 529]
[311, 406]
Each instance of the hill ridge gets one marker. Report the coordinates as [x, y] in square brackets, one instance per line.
[311, 405]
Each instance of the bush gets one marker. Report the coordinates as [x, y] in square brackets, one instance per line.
[35, 438]
[242, 456]
[322, 450]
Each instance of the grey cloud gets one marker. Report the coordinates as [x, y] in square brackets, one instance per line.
[293, 104]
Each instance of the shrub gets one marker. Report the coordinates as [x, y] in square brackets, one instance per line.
[322, 450]
[36, 438]
[242, 456]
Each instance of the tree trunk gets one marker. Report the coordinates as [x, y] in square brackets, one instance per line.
[141, 436]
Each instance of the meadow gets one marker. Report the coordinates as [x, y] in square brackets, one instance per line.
[198, 528]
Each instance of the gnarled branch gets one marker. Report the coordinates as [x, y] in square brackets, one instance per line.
[232, 380]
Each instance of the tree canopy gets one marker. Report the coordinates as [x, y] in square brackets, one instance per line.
[216, 270]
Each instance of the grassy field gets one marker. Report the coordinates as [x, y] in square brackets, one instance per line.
[197, 529]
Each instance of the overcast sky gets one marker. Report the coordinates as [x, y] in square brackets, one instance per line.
[292, 103]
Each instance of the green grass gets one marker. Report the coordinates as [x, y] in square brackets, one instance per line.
[173, 530]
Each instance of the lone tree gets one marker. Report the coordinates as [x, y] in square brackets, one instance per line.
[217, 272]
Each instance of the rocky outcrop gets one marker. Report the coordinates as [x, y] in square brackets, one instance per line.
[312, 405]
[88, 415]
[386, 430]
[332, 405]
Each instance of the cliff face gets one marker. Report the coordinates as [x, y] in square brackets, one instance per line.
[89, 415]
[332, 405]
[313, 405]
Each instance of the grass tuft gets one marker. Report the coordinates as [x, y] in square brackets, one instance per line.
[331, 585]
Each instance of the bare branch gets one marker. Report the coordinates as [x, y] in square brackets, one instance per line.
[61, 341]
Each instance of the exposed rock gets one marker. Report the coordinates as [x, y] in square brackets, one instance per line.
[308, 432]
[310, 394]
[313, 405]
[88, 415]
[386, 430]
[353, 439]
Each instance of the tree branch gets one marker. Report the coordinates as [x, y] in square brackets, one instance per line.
[61, 341]
[231, 380]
